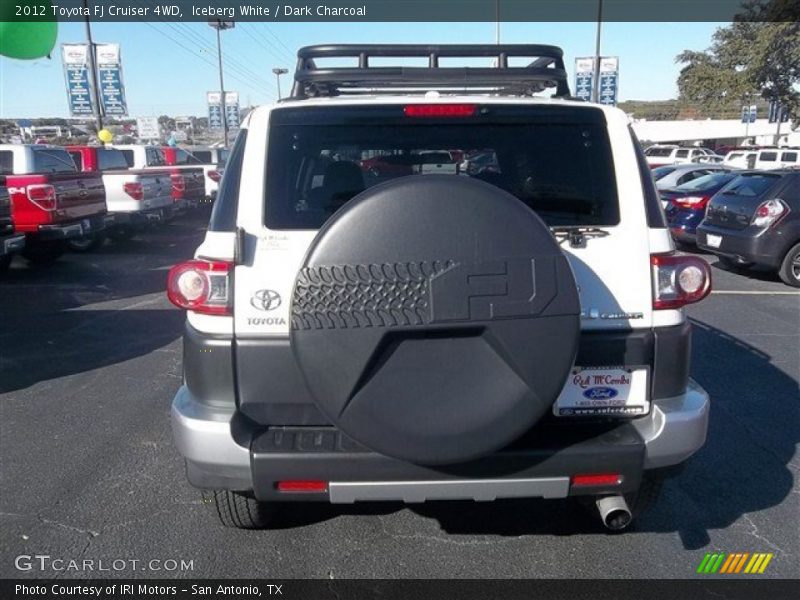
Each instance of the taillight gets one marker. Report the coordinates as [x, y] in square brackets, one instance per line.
[696, 202]
[43, 195]
[770, 212]
[178, 183]
[214, 176]
[440, 110]
[134, 189]
[202, 286]
[679, 280]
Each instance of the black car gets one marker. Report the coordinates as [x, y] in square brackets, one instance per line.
[755, 220]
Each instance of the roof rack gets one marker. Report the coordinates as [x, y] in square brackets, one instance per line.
[545, 70]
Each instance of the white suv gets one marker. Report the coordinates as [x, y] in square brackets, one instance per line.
[397, 333]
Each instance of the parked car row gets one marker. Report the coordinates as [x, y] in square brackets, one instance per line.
[747, 218]
[53, 198]
[743, 158]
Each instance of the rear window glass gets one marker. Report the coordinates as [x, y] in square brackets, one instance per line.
[155, 157]
[658, 151]
[128, 154]
[661, 172]
[706, 182]
[204, 156]
[109, 159]
[768, 156]
[182, 157]
[52, 160]
[223, 156]
[563, 170]
[752, 186]
[6, 162]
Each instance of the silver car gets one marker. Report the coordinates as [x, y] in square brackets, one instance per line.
[671, 176]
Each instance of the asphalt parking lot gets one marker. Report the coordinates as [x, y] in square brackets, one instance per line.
[90, 357]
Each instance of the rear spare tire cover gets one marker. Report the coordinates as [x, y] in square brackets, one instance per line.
[435, 318]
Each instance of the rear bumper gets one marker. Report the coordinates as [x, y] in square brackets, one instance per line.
[143, 217]
[11, 244]
[749, 245]
[224, 451]
[65, 231]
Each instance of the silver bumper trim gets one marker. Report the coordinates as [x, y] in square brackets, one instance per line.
[676, 427]
[480, 490]
[203, 436]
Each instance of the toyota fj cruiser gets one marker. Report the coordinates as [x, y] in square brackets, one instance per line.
[413, 334]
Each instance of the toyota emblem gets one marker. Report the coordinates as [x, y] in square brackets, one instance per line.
[266, 300]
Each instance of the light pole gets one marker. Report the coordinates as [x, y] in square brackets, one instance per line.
[596, 86]
[278, 72]
[94, 91]
[220, 25]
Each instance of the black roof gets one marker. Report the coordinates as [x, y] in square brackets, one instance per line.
[545, 69]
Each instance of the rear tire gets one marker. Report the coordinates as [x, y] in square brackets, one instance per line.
[790, 267]
[44, 253]
[239, 510]
[87, 243]
[5, 262]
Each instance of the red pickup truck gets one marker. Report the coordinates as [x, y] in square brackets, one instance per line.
[10, 241]
[51, 201]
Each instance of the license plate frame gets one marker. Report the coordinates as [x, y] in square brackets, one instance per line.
[614, 391]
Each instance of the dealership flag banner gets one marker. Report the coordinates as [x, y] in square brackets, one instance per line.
[214, 100]
[609, 80]
[584, 74]
[232, 109]
[109, 77]
[76, 74]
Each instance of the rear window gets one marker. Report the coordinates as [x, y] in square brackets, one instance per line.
[223, 156]
[128, 155]
[557, 165]
[6, 162]
[204, 156]
[706, 182]
[182, 157]
[661, 172]
[155, 157]
[52, 160]
[109, 159]
[658, 151]
[751, 185]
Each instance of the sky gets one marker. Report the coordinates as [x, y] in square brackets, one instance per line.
[169, 67]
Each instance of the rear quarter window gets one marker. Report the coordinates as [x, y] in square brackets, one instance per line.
[789, 157]
[557, 161]
[52, 160]
[6, 162]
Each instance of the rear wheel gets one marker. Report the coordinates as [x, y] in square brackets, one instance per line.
[87, 243]
[44, 253]
[790, 268]
[239, 510]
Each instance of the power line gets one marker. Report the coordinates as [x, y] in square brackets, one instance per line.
[260, 41]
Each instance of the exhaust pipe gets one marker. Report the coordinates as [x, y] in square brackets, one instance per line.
[614, 512]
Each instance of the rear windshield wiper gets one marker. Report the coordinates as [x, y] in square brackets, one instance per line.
[576, 235]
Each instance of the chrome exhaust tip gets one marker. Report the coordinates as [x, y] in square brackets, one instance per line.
[614, 512]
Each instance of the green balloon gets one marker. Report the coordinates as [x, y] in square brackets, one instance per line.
[26, 39]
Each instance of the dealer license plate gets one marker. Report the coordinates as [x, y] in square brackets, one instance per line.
[713, 240]
[592, 391]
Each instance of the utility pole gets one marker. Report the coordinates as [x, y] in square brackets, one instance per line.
[220, 25]
[278, 72]
[94, 90]
[596, 75]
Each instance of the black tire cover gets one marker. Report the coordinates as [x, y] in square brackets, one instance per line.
[435, 319]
